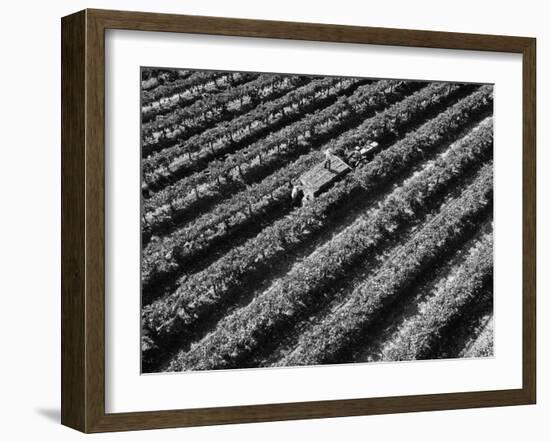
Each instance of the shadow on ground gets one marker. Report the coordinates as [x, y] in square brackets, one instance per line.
[51, 414]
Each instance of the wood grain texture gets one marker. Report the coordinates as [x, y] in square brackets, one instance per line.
[145, 21]
[529, 221]
[95, 222]
[83, 219]
[73, 127]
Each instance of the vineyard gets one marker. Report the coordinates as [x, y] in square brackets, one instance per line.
[388, 258]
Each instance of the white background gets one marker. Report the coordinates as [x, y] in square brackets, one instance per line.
[126, 52]
[30, 256]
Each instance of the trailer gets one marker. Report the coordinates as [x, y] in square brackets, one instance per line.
[320, 178]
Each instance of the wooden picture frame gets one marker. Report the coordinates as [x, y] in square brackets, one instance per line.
[83, 217]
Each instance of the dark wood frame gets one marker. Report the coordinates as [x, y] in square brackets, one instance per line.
[83, 216]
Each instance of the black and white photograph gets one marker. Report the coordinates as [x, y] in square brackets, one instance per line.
[297, 220]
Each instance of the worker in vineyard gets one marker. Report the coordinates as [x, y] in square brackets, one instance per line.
[353, 158]
[328, 157]
[297, 194]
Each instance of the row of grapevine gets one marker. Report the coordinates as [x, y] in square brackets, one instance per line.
[188, 90]
[258, 199]
[376, 341]
[471, 279]
[344, 327]
[165, 257]
[429, 100]
[275, 150]
[165, 92]
[210, 105]
[160, 215]
[204, 291]
[240, 334]
[152, 78]
[212, 109]
[173, 162]
[306, 221]
[482, 346]
[441, 129]
[221, 173]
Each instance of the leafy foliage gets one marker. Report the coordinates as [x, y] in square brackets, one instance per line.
[339, 330]
[165, 98]
[416, 337]
[214, 108]
[250, 164]
[169, 164]
[206, 290]
[236, 273]
[232, 216]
